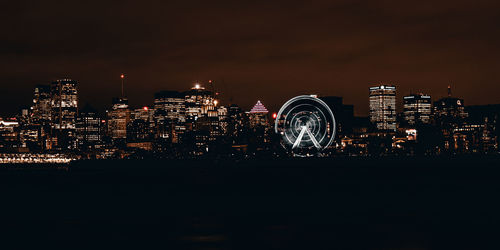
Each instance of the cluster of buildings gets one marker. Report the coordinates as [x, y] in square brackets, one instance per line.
[178, 124]
[443, 126]
[193, 123]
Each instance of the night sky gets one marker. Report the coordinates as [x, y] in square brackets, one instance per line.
[267, 50]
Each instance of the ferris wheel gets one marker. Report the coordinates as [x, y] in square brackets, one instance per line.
[306, 125]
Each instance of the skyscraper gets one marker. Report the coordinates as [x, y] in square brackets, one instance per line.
[198, 102]
[170, 115]
[383, 107]
[259, 125]
[42, 104]
[417, 109]
[64, 104]
[118, 119]
[64, 111]
[258, 115]
[88, 128]
[449, 111]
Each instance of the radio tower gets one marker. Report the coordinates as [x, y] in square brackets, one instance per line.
[122, 76]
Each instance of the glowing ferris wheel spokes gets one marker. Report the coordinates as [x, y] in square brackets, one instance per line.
[304, 130]
[306, 125]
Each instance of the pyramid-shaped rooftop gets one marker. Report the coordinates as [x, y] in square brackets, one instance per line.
[258, 108]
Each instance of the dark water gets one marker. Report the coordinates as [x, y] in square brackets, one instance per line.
[412, 203]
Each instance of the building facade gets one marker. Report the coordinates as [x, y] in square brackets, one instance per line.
[417, 109]
[383, 107]
[118, 119]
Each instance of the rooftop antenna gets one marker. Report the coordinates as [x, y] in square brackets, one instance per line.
[122, 76]
[449, 90]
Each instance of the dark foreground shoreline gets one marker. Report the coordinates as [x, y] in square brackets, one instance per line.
[342, 203]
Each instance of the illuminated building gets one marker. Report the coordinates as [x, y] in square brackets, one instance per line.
[198, 102]
[64, 111]
[64, 104]
[42, 104]
[489, 117]
[140, 128]
[222, 113]
[260, 128]
[238, 125]
[449, 111]
[9, 134]
[118, 119]
[383, 107]
[417, 109]
[170, 115]
[89, 129]
[258, 115]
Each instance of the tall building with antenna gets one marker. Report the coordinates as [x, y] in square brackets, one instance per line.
[119, 115]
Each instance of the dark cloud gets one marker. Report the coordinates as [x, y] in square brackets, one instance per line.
[267, 50]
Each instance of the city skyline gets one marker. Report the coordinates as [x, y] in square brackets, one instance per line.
[259, 50]
[224, 100]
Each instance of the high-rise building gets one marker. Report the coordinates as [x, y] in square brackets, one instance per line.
[258, 115]
[118, 119]
[42, 104]
[260, 128]
[449, 111]
[170, 115]
[198, 102]
[141, 126]
[89, 129]
[64, 105]
[383, 107]
[417, 109]
[238, 125]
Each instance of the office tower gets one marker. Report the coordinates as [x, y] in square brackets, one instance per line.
[222, 113]
[449, 110]
[344, 114]
[170, 105]
[9, 135]
[118, 119]
[198, 102]
[170, 115]
[140, 128]
[383, 107]
[258, 115]
[260, 128]
[238, 125]
[89, 129]
[64, 104]
[42, 104]
[417, 109]
[64, 111]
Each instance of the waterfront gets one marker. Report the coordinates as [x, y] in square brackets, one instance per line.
[365, 203]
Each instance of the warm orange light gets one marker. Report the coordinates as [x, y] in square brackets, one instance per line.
[275, 115]
[145, 108]
[209, 81]
[122, 76]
